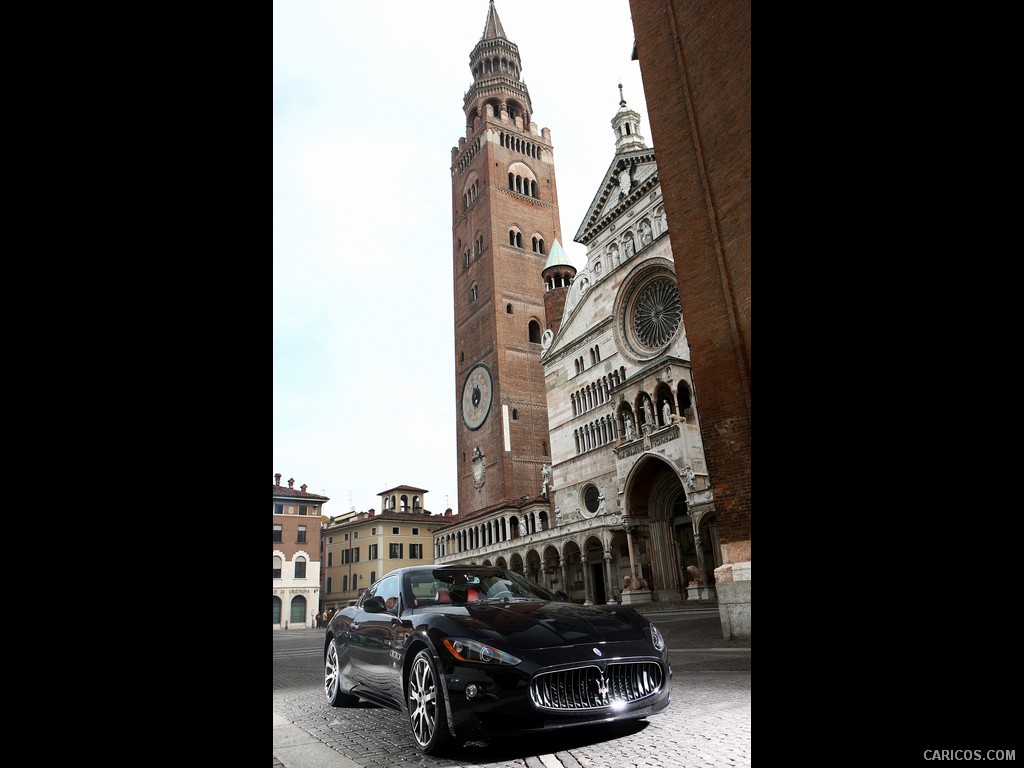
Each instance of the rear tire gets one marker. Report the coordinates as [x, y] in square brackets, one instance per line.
[428, 715]
[332, 678]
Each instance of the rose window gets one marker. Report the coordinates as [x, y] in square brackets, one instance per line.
[657, 313]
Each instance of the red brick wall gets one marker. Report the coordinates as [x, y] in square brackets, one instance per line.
[695, 62]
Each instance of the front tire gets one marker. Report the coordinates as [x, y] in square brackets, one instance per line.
[428, 715]
[332, 678]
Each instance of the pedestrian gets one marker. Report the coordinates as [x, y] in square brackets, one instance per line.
[319, 620]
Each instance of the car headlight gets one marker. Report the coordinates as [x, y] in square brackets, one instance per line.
[464, 649]
[657, 639]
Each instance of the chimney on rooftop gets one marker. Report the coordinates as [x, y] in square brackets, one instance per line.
[277, 479]
[303, 487]
[291, 482]
[448, 512]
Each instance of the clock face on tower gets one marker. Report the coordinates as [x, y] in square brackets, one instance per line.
[476, 396]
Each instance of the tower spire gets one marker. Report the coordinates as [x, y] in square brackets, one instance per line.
[492, 27]
[626, 125]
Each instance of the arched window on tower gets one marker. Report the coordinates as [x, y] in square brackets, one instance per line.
[508, 309]
[533, 188]
[511, 237]
[511, 181]
[515, 415]
[519, 239]
[535, 332]
[474, 292]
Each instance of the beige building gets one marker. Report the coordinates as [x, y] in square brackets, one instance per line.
[360, 547]
[297, 521]
[626, 493]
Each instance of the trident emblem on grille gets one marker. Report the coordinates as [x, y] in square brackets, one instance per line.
[602, 690]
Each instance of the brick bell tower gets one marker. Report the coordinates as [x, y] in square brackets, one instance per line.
[504, 223]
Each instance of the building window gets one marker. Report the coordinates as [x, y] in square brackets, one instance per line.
[415, 531]
[373, 531]
[373, 576]
[301, 537]
[277, 609]
[300, 569]
[344, 583]
[279, 509]
[355, 555]
[590, 498]
[372, 554]
[346, 556]
[277, 532]
[656, 313]
[355, 535]
[395, 551]
[330, 561]
[415, 551]
[346, 537]
[277, 567]
[328, 583]
[394, 530]
[303, 509]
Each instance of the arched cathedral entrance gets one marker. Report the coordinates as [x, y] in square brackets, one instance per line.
[662, 527]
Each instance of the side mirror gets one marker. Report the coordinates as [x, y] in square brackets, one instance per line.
[374, 604]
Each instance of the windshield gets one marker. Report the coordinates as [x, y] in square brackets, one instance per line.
[469, 584]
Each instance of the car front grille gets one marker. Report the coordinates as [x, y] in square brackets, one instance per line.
[593, 687]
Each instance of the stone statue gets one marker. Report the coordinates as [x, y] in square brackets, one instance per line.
[628, 246]
[696, 578]
[645, 232]
[615, 257]
[545, 470]
[666, 413]
[690, 477]
[631, 584]
[630, 431]
[649, 413]
[577, 515]
[558, 515]
[600, 505]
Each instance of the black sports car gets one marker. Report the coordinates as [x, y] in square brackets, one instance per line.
[472, 651]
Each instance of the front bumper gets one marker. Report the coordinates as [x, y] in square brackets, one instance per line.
[491, 699]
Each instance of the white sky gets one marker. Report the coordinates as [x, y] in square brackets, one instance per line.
[367, 107]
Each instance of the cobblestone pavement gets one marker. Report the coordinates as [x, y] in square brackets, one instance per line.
[706, 723]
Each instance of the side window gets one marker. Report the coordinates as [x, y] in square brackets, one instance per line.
[387, 588]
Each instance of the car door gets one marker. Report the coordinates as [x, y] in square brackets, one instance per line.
[376, 635]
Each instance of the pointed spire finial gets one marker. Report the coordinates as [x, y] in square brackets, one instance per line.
[622, 99]
[492, 27]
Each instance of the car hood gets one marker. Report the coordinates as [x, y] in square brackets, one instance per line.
[543, 625]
